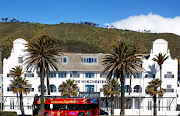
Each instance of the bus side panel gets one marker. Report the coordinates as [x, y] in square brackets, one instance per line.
[76, 112]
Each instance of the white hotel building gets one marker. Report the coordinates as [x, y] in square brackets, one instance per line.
[85, 69]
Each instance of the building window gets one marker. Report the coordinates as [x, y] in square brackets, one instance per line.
[74, 74]
[39, 88]
[168, 104]
[77, 90]
[89, 88]
[29, 103]
[39, 75]
[138, 75]
[52, 88]
[89, 75]
[28, 74]
[53, 75]
[62, 75]
[127, 88]
[11, 88]
[137, 89]
[127, 75]
[169, 75]
[128, 104]
[105, 75]
[149, 105]
[30, 88]
[119, 90]
[136, 103]
[20, 59]
[138, 62]
[59, 88]
[169, 89]
[11, 103]
[64, 59]
[9, 75]
[89, 60]
[103, 87]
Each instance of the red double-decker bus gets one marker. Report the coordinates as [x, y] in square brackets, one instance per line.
[56, 106]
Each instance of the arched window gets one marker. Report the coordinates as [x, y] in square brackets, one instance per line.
[52, 88]
[127, 88]
[39, 88]
[137, 89]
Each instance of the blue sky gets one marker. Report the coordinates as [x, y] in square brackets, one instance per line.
[96, 11]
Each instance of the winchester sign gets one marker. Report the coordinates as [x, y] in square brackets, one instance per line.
[90, 81]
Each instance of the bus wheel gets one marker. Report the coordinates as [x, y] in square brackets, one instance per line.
[46, 114]
[81, 114]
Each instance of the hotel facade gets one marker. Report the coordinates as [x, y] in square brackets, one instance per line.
[85, 69]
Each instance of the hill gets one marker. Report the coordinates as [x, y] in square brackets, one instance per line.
[83, 38]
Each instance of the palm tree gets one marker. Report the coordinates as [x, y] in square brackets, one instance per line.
[111, 90]
[121, 61]
[160, 60]
[20, 85]
[3, 19]
[153, 90]
[68, 88]
[17, 71]
[42, 53]
[6, 19]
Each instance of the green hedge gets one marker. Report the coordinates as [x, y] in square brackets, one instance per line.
[7, 113]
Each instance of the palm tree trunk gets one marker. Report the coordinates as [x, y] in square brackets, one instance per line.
[112, 105]
[122, 96]
[48, 87]
[155, 113]
[21, 104]
[41, 111]
[160, 86]
[130, 85]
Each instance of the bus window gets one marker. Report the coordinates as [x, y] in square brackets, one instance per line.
[94, 106]
[63, 106]
[73, 106]
[82, 106]
[88, 106]
[56, 107]
[47, 106]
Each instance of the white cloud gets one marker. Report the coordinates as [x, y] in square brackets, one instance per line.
[154, 23]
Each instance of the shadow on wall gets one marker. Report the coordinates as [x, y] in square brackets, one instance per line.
[153, 68]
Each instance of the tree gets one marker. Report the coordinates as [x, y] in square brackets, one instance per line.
[111, 90]
[16, 71]
[160, 60]
[153, 90]
[42, 53]
[20, 85]
[3, 19]
[6, 19]
[121, 61]
[68, 88]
